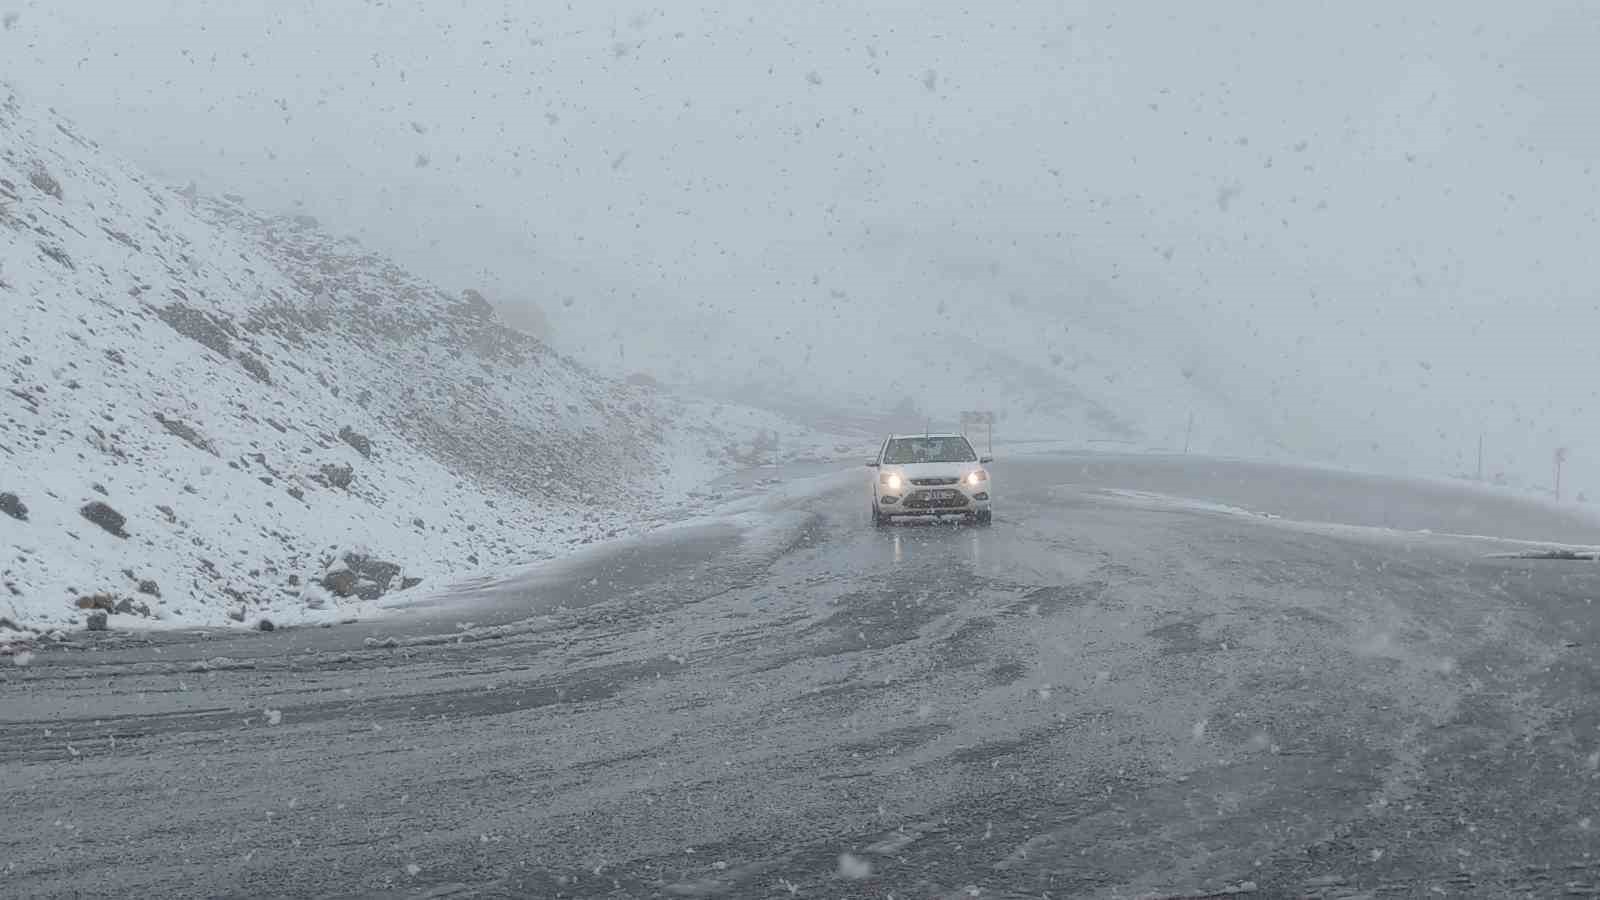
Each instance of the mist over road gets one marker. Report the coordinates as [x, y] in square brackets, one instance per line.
[1136, 682]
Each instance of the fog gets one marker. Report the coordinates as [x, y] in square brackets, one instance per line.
[1354, 232]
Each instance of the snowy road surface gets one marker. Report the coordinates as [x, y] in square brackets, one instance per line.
[1112, 692]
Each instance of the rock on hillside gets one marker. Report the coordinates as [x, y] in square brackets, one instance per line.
[239, 399]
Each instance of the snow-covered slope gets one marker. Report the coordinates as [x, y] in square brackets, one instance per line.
[201, 408]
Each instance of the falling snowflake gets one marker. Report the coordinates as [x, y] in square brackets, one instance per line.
[854, 867]
[274, 716]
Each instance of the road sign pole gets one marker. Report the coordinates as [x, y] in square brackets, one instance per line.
[985, 418]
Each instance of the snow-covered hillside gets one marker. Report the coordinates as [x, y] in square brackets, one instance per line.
[202, 408]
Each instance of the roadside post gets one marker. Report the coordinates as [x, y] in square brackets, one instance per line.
[982, 417]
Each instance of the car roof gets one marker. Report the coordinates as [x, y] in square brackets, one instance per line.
[927, 434]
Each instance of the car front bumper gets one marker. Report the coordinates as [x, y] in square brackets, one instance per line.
[953, 500]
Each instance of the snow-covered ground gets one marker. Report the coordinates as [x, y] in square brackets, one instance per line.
[251, 401]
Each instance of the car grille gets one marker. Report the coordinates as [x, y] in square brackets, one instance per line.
[933, 482]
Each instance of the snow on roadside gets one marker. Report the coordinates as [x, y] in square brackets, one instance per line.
[767, 519]
[1486, 545]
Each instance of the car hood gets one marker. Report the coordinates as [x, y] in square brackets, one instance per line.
[934, 470]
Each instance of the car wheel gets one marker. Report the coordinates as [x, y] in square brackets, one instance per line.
[983, 517]
[878, 519]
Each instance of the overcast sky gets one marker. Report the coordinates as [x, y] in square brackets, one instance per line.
[1368, 224]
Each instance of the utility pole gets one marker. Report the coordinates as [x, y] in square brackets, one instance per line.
[1561, 457]
[1480, 456]
[1187, 432]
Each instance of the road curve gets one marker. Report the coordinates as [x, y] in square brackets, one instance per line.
[1152, 676]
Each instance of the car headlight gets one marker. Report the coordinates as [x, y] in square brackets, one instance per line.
[977, 477]
[892, 481]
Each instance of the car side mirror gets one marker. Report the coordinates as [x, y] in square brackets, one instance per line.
[986, 459]
[873, 464]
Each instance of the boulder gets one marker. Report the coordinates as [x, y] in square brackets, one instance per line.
[41, 178]
[340, 581]
[97, 601]
[357, 573]
[186, 432]
[361, 443]
[12, 505]
[150, 588]
[97, 621]
[107, 518]
[257, 369]
[337, 476]
[371, 568]
[197, 326]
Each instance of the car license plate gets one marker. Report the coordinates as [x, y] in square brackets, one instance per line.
[946, 495]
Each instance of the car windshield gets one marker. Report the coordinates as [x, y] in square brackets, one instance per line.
[905, 451]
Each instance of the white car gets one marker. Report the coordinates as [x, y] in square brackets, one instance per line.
[930, 475]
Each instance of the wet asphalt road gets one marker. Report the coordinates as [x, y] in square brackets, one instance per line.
[1108, 693]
